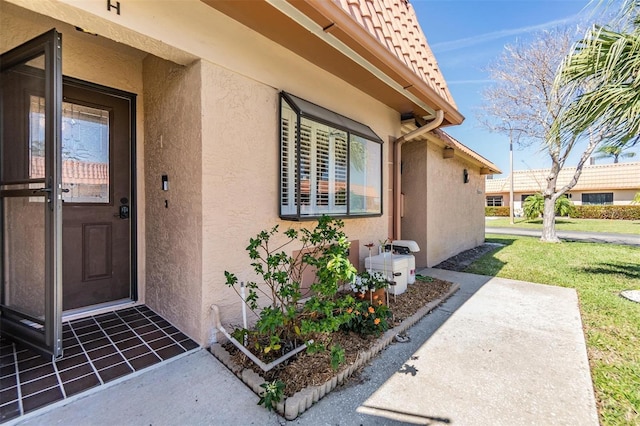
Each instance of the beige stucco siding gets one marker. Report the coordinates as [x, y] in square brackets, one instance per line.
[415, 190]
[240, 165]
[174, 218]
[441, 213]
[455, 209]
[211, 125]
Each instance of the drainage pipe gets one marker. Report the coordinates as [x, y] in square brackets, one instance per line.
[265, 367]
[397, 161]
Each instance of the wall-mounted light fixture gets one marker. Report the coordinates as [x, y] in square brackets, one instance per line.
[447, 152]
[465, 176]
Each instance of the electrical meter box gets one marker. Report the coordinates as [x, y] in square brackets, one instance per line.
[394, 267]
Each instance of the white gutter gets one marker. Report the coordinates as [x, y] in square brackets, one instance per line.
[397, 160]
[308, 24]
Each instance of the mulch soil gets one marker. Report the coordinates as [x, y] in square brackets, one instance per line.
[307, 369]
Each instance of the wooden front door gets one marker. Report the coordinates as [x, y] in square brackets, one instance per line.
[97, 205]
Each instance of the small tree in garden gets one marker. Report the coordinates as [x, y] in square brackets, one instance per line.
[525, 104]
[285, 321]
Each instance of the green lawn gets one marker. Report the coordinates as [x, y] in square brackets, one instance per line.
[598, 272]
[567, 224]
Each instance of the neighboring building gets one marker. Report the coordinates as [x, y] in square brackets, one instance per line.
[615, 183]
[206, 122]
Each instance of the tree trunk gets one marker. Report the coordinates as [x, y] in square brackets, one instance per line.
[549, 221]
[550, 197]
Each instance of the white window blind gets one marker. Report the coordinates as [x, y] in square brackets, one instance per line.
[323, 153]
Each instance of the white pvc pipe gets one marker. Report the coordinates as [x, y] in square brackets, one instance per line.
[244, 310]
[244, 305]
[244, 350]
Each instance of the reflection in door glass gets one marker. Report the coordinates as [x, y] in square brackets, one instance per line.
[85, 150]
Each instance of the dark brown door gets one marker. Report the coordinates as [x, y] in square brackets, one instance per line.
[96, 171]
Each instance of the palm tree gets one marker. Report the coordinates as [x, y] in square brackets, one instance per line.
[615, 151]
[602, 71]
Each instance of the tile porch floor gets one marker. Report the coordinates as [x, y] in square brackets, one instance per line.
[97, 350]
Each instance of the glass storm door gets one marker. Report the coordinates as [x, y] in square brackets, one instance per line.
[30, 194]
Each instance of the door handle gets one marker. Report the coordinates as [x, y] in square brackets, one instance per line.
[48, 190]
[123, 212]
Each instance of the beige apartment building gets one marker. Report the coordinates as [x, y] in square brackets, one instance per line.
[147, 141]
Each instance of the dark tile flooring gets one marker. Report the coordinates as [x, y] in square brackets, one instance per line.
[97, 350]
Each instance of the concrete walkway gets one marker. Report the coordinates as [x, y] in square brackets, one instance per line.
[498, 352]
[589, 237]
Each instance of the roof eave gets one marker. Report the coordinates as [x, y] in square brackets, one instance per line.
[373, 69]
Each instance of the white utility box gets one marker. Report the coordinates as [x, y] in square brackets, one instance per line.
[394, 267]
[404, 248]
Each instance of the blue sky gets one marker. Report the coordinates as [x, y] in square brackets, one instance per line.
[467, 35]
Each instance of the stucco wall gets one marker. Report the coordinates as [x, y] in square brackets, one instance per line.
[240, 165]
[224, 181]
[441, 213]
[455, 209]
[415, 190]
[174, 218]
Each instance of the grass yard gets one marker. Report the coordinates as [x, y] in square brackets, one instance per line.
[598, 272]
[567, 224]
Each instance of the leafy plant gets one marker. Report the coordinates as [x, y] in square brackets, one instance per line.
[533, 206]
[337, 357]
[272, 394]
[369, 281]
[564, 206]
[285, 321]
[368, 318]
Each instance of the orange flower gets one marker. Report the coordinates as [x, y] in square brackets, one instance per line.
[376, 321]
[379, 302]
[375, 297]
[371, 310]
[349, 310]
[360, 295]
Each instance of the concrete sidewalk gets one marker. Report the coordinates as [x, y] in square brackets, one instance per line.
[498, 352]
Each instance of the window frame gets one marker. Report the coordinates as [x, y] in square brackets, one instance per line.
[303, 109]
[494, 197]
[602, 194]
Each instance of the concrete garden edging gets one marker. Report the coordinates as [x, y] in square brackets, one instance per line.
[302, 400]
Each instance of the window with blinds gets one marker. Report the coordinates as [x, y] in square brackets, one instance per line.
[326, 167]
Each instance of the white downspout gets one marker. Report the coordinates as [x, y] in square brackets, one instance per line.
[397, 160]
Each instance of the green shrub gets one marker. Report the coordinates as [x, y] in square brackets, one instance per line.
[368, 318]
[630, 212]
[533, 206]
[285, 320]
[497, 211]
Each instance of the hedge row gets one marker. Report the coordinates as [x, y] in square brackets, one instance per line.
[496, 211]
[631, 212]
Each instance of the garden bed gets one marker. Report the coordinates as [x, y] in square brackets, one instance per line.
[308, 377]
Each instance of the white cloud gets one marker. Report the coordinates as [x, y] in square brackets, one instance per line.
[462, 43]
[454, 82]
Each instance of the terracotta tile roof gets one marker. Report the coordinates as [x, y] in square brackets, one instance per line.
[395, 25]
[593, 178]
[444, 139]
